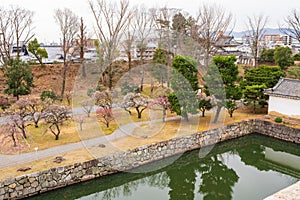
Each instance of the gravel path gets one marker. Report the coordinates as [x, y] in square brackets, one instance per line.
[123, 131]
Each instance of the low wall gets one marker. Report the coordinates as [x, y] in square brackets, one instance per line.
[43, 181]
[279, 131]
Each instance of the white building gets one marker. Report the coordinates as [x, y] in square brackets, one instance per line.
[285, 97]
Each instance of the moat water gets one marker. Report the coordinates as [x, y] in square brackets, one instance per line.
[249, 168]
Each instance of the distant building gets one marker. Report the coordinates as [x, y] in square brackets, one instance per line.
[87, 43]
[148, 53]
[285, 97]
[272, 38]
[286, 40]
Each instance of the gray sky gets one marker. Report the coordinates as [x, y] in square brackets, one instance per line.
[47, 31]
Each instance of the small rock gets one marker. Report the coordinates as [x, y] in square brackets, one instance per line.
[24, 169]
[59, 159]
[101, 145]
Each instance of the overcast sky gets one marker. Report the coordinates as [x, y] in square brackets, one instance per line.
[47, 31]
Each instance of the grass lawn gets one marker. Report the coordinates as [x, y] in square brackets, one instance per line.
[145, 133]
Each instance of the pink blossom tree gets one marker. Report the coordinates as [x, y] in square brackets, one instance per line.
[36, 109]
[164, 104]
[56, 116]
[105, 115]
[103, 99]
[135, 100]
[19, 115]
[4, 102]
[10, 130]
[87, 106]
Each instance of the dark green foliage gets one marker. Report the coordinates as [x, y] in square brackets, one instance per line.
[278, 119]
[160, 56]
[221, 79]
[204, 105]
[175, 105]
[37, 51]
[48, 95]
[268, 75]
[233, 93]
[296, 57]
[184, 82]
[231, 107]
[18, 76]
[254, 95]
[187, 67]
[160, 65]
[129, 88]
[227, 68]
[283, 57]
[258, 79]
[179, 23]
[293, 72]
[267, 55]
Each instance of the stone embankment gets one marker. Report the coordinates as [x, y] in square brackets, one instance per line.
[43, 181]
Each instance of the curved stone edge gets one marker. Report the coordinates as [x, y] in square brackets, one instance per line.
[43, 181]
[290, 193]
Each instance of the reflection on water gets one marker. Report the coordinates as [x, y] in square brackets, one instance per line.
[245, 168]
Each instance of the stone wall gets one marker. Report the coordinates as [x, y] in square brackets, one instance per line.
[279, 131]
[43, 181]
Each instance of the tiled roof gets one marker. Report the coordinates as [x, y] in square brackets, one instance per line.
[286, 87]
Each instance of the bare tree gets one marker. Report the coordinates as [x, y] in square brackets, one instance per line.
[6, 35]
[22, 26]
[105, 115]
[103, 99]
[56, 116]
[212, 21]
[292, 25]
[135, 100]
[82, 29]
[143, 24]
[127, 44]
[111, 23]
[19, 115]
[15, 26]
[9, 131]
[162, 18]
[68, 26]
[87, 106]
[255, 31]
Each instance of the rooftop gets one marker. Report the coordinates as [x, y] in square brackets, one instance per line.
[286, 87]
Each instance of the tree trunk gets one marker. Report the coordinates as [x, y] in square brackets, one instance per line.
[203, 113]
[129, 59]
[164, 115]
[80, 125]
[13, 138]
[139, 112]
[217, 114]
[23, 131]
[83, 68]
[63, 82]
[254, 105]
[142, 81]
[58, 132]
[36, 123]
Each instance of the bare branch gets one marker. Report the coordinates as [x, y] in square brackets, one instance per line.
[292, 25]
[255, 31]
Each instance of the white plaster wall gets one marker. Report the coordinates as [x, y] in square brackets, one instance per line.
[284, 106]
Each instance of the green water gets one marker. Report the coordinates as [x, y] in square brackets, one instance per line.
[252, 167]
